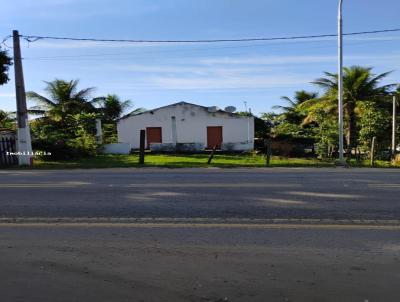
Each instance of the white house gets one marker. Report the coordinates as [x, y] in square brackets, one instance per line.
[188, 127]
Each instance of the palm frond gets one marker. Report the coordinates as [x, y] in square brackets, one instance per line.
[40, 99]
[84, 93]
[283, 108]
[288, 101]
[36, 111]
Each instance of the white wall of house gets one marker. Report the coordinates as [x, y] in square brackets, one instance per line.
[185, 123]
[119, 148]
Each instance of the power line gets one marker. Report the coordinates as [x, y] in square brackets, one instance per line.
[32, 38]
[168, 51]
[124, 55]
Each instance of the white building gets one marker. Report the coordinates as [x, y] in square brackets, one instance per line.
[188, 127]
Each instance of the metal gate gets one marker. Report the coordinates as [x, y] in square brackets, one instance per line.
[7, 147]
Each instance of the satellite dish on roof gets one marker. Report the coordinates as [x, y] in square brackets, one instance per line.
[212, 109]
[230, 109]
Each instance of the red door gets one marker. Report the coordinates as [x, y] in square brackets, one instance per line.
[153, 135]
[214, 137]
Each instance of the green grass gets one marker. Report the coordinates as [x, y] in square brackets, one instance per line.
[180, 161]
[192, 161]
[377, 164]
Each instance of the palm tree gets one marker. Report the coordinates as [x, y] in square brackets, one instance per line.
[111, 107]
[359, 85]
[6, 120]
[291, 112]
[63, 98]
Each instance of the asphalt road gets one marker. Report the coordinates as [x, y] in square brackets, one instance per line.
[199, 263]
[198, 235]
[203, 193]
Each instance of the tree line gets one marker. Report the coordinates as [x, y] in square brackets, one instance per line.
[311, 115]
[66, 122]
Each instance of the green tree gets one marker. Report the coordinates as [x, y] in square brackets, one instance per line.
[110, 108]
[290, 112]
[375, 121]
[5, 63]
[66, 113]
[63, 98]
[291, 116]
[360, 85]
[84, 140]
[6, 120]
[325, 132]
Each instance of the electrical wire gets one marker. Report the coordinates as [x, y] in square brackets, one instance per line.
[33, 38]
[129, 55]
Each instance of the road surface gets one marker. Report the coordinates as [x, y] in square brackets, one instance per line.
[200, 235]
[351, 194]
[177, 263]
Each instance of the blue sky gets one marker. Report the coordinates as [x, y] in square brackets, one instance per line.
[153, 75]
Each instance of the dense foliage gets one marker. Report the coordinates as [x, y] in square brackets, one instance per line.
[367, 113]
[67, 118]
[6, 120]
[5, 63]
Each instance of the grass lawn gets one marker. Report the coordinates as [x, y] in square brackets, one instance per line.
[192, 161]
[181, 161]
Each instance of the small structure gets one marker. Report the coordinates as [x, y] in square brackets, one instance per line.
[7, 133]
[7, 144]
[188, 127]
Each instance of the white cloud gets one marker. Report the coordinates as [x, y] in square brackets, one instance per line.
[191, 69]
[262, 72]
[283, 60]
[238, 82]
[269, 60]
[7, 95]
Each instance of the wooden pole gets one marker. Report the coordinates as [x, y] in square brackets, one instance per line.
[267, 145]
[24, 144]
[373, 150]
[142, 146]
[211, 155]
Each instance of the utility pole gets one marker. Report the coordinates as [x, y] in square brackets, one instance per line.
[394, 127]
[24, 145]
[340, 81]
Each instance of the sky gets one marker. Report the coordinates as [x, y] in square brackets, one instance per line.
[225, 74]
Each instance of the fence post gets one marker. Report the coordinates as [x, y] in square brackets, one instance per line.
[7, 148]
[373, 150]
[211, 155]
[142, 146]
[2, 152]
[267, 145]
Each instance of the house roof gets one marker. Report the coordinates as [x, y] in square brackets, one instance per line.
[133, 113]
